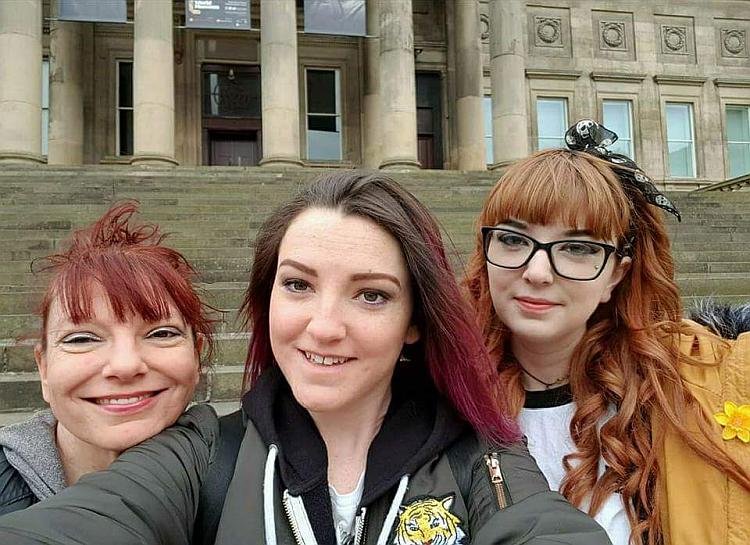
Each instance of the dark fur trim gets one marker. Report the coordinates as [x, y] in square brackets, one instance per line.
[725, 320]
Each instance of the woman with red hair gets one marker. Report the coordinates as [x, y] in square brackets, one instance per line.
[573, 281]
[119, 356]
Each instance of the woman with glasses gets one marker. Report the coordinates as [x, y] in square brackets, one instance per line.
[636, 416]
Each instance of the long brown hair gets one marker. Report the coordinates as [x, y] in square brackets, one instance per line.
[629, 356]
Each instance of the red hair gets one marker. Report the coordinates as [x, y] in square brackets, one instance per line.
[138, 275]
[629, 355]
[450, 344]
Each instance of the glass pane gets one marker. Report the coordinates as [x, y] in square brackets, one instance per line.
[738, 124]
[547, 143]
[681, 160]
[324, 145]
[45, 84]
[321, 92]
[621, 146]
[231, 93]
[617, 117]
[322, 123]
[45, 131]
[679, 123]
[489, 153]
[487, 106]
[739, 159]
[125, 84]
[551, 118]
[126, 132]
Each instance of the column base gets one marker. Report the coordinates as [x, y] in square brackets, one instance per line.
[502, 164]
[21, 157]
[153, 159]
[400, 164]
[282, 162]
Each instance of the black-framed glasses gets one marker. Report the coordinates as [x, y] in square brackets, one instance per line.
[571, 259]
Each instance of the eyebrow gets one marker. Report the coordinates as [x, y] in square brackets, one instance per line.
[569, 233]
[355, 277]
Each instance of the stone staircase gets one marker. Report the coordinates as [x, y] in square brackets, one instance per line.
[213, 215]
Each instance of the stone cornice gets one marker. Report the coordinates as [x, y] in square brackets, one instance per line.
[553, 74]
[664, 79]
[732, 82]
[618, 77]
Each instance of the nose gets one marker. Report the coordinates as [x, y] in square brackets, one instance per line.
[124, 361]
[539, 269]
[326, 324]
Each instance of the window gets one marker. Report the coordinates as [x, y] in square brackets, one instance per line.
[617, 116]
[45, 106]
[124, 107]
[487, 105]
[738, 140]
[323, 115]
[551, 122]
[680, 138]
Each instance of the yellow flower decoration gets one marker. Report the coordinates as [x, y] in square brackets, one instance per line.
[736, 422]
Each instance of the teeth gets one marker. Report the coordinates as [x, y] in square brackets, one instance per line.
[324, 360]
[122, 400]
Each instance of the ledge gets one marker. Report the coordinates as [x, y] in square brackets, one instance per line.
[553, 74]
[619, 77]
[664, 79]
[732, 82]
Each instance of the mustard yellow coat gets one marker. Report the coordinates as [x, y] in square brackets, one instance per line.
[702, 505]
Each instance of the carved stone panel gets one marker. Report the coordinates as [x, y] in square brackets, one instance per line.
[675, 39]
[613, 35]
[549, 31]
[732, 47]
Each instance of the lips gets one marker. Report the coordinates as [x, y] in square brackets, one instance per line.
[535, 304]
[325, 360]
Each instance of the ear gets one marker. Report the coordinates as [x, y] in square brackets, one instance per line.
[41, 364]
[412, 335]
[447, 501]
[621, 268]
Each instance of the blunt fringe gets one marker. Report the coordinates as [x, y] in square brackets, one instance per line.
[450, 345]
[629, 355]
[137, 273]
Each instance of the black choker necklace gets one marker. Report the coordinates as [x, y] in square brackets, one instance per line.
[547, 385]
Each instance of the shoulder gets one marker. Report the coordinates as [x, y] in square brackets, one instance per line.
[15, 494]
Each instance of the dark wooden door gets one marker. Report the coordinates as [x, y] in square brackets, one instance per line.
[429, 120]
[234, 149]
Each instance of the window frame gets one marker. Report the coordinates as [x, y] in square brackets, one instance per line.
[119, 108]
[44, 128]
[489, 151]
[631, 121]
[691, 118]
[726, 105]
[339, 115]
[567, 116]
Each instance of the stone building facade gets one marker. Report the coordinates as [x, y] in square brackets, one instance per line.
[450, 84]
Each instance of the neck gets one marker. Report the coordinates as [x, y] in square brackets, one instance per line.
[547, 361]
[348, 434]
[79, 457]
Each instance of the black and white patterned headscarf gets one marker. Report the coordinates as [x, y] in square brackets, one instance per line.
[591, 137]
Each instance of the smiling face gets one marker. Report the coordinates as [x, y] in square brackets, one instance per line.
[536, 304]
[340, 311]
[114, 384]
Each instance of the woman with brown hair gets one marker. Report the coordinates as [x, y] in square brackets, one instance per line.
[633, 413]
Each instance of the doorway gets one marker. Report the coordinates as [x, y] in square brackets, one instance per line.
[234, 148]
[429, 120]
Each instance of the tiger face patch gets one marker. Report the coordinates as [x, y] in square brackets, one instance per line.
[428, 521]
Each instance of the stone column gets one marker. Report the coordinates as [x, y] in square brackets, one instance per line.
[398, 86]
[469, 112]
[153, 84]
[279, 83]
[510, 117]
[21, 81]
[371, 113]
[66, 94]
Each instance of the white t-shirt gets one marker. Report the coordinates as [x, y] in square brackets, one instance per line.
[547, 427]
[345, 511]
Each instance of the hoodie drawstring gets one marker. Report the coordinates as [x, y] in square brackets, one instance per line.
[268, 486]
[390, 518]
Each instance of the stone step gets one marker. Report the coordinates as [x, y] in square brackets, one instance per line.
[714, 267]
[726, 284]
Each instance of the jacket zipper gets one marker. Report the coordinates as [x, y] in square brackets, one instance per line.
[360, 525]
[496, 477]
[297, 517]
